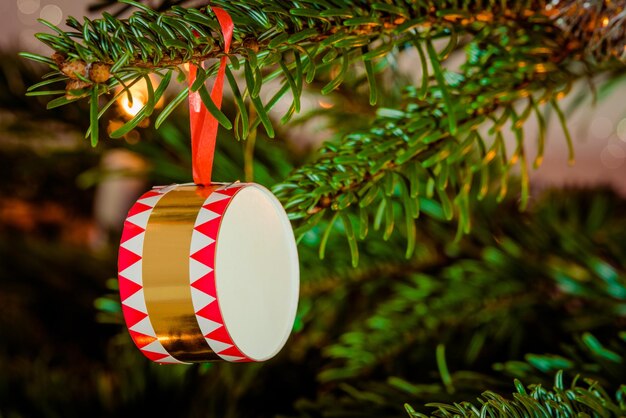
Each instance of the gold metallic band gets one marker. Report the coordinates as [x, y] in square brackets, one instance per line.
[166, 274]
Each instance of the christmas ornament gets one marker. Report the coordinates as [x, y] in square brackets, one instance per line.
[208, 271]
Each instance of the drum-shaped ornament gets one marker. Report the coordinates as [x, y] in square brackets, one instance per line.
[208, 273]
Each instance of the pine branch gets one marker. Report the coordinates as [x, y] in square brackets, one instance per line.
[269, 28]
[512, 269]
[433, 147]
[519, 283]
[588, 356]
[106, 53]
[118, 8]
[535, 400]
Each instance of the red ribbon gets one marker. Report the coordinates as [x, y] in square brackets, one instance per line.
[203, 124]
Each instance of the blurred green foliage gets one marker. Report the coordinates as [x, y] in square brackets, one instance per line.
[524, 295]
[431, 321]
[442, 141]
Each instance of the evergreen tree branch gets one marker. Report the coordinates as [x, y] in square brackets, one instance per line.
[535, 400]
[434, 147]
[504, 270]
[104, 54]
[260, 27]
[550, 280]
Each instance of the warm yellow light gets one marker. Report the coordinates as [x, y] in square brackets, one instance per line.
[605, 22]
[132, 108]
[324, 104]
[139, 93]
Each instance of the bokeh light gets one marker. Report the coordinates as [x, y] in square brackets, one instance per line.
[52, 13]
[28, 7]
[139, 93]
[612, 156]
[325, 104]
[139, 99]
[601, 127]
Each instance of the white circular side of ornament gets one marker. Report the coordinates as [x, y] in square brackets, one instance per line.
[257, 273]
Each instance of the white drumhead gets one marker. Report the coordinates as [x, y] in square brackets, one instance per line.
[257, 273]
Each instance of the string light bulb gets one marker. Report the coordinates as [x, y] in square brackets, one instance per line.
[138, 93]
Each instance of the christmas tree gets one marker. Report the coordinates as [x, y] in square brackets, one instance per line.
[430, 285]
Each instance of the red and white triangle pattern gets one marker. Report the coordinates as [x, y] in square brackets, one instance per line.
[130, 279]
[202, 274]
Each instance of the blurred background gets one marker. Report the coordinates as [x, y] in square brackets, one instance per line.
[540, 283]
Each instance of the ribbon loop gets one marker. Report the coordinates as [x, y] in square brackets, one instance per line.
[203, 123]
